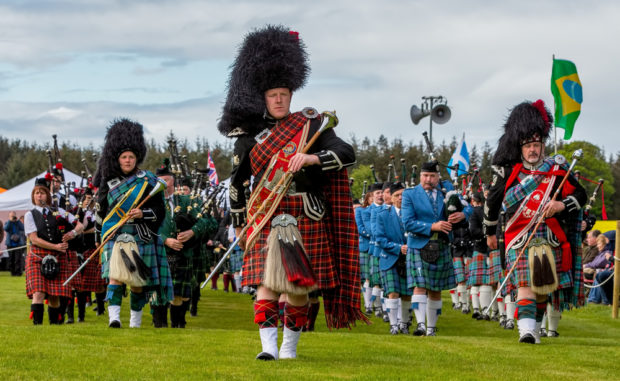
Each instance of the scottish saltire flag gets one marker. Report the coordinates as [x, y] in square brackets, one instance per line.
[460, 156]
[212, 173]
[566, 89]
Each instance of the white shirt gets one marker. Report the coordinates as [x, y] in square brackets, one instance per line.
[30, 226]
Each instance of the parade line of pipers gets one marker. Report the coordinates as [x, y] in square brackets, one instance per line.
[507, 250]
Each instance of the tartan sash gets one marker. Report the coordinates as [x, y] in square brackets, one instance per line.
[280, 153]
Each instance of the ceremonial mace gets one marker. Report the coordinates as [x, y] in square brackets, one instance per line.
[540, 217]
[330, 121]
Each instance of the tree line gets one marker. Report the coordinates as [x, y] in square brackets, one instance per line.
[22, 160]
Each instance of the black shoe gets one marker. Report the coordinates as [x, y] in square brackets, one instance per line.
[510, 324]
[265, 356]
[420, 330]
[476, 314]
[69, 320]
[386, 318]
[431, 331]
[527, 338]
[543, 332]
[551, 333]
[394, 330]
[80, 320]
[115, 324]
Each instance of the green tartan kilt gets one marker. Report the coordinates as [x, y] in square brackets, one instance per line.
[392, 282]
[181, 269]
[375, 272]
[199, 265]
[364, 266]
[431, 276]
[478, 270]
[460, 270]
[153, 254]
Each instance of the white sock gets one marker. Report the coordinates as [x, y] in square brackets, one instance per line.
[433, 310]
[367, 297]
[383, 307]
[400, 314]
[486, 294]
[392, 310]
[418, 302]
[475, 297]
[501, 306]
[543, 322]
[114, 313]
[526, 324]
[405, 311]
[511, 307]
[461, 290]
[554, 317]
[376, 296]
[237, 278]
[454, 295]
[135, 319]
[290, 338]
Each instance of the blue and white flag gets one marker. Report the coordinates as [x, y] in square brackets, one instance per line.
[460, 156]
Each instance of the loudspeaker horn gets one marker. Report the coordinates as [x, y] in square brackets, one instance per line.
[417, 114]
[441, 114]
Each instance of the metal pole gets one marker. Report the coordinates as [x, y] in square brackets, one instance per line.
[614, 306]
[430, 118]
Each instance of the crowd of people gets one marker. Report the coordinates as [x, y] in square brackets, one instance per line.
[509, 252]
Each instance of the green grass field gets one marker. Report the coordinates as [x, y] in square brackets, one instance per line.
[222, 341]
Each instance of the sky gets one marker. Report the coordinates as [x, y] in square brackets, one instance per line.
[71, 67]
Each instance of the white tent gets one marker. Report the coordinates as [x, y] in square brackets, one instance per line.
[18, 197]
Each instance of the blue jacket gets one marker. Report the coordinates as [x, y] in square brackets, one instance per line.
[390, 237]
[418, 214]
[361, 228]
[374, 209]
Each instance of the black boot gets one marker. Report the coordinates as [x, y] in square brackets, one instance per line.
[182, 313]
[100, 297]
[62, 309]
[69, 309]
[37, 313]
[193, 311]
[81, 297]
[53, 315]
[160, 316]
[174, 316]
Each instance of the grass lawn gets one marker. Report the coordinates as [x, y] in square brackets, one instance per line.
[222, 341]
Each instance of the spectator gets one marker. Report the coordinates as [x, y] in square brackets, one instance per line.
[590, 250]
[603, 259]
[15, 238]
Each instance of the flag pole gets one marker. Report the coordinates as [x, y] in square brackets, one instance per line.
[555, 127]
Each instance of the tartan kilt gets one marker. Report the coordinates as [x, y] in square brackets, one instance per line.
[91, 274]
[364, 266]
[375, 272]
[315, 238]
[182, 274]
[199, 265]
[236, 260]
[392, 282]
[478, 270]
[36, 282]
[460, 271]
[154, 255]
[495, 272]
[431, 276]
[520, 277]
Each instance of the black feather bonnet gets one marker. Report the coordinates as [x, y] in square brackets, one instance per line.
[528, 122]
[122, 136]
[268, 58]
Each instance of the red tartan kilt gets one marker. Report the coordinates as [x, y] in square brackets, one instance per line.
[315, 239]
[91, 275]
[36, 282]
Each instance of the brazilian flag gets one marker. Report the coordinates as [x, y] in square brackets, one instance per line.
[566, 89]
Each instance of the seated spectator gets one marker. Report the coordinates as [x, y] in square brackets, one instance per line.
[590, 251]
[603, 259]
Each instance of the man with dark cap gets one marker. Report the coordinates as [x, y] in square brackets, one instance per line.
[429, 263]
[523, 184]
[392, 263]
[182, 232]
[369, 220]
[310, 215]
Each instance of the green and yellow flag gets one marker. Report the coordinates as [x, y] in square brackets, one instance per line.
[566, 89]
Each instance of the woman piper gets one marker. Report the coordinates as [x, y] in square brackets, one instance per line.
[49, 262]
[307, 239]
[135, 254]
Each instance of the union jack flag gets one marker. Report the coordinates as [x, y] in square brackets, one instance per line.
[212, 173]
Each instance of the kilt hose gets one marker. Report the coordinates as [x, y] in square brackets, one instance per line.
[460, 271]
[315, 240]
[154, 255]
[36, 282]
[375, 272]
[436, 276]
[392, 282]
[478, 270]
[364, 266]
[91, 275]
